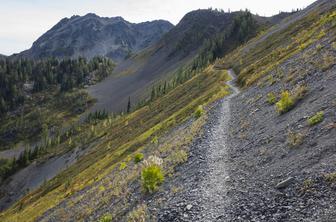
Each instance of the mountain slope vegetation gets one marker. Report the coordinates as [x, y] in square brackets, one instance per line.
[109, 149]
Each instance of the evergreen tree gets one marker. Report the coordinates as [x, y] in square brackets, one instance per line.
[129, 105]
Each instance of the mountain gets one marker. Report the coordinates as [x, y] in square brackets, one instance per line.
[175, 50]
[91, 35]
[200, 147]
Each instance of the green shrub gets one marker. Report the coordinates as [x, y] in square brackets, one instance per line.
[271, 98]
[106, 218]
[155, 140]
[122, 166]
[151, 177]
[199, 112]
[285, 103]
[138, 157]
[317, 118]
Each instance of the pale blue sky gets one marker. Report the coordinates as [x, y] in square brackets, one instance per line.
[23, 21]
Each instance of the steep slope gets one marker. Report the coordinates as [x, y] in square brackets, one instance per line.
[287, 161]
[50, 167]
[101, 178]
[106, 179]
[280, 143]
[91, 35]
[173, 53]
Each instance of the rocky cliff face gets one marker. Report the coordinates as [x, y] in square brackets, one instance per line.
[91, 35]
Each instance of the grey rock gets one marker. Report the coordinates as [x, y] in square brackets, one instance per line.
[285, 183]
[189, 206]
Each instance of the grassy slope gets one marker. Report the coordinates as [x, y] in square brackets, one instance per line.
[42, 109]
[256, 62]
[116, 139]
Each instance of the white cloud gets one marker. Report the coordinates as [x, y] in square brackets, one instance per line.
[23, 21]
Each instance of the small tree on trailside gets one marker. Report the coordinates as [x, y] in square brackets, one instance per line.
[129, 105]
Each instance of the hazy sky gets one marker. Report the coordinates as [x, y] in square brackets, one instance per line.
[23, 21]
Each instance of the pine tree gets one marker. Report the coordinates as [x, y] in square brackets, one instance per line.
[129, 105]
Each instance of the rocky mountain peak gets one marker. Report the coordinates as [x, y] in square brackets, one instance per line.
[91, 35]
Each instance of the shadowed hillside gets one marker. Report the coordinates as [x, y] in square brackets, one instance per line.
[90, 35]
[198, 31]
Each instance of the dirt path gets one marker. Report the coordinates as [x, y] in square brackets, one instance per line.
[205, 175]
[213, 187]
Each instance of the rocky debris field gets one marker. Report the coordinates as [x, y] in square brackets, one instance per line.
[203, 180]
[258, 172]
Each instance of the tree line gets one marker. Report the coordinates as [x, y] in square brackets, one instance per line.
[22, 75]
[243, 28]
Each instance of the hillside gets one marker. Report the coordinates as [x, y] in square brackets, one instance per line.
[174, 53]
[227, 117]
[105, 152]
[90, 35]
[275, 159]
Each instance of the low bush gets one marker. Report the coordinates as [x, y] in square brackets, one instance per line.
[155, 140]
[152, 177]
[138, 215]
[288, 100]
[122, 166]
[271, 98]
[106, 218]
[179, 156]
[152, 174]
[285, 103]
[199, 112]
[138, 157]
[300, 92]
[295, 139]
[271, 80]
[331, 177]
[307, 186]
[317, 118]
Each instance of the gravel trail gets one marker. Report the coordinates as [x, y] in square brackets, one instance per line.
[213, 187]
[205, 175]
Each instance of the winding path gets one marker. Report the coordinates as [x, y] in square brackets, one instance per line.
[213, 187]
[204, 177]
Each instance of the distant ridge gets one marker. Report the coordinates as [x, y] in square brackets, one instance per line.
[176, 49]
[91, 35]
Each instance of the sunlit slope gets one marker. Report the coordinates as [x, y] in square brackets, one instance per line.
[271, 48]
[116, 140]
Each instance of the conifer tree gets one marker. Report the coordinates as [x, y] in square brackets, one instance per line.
[129, 105]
